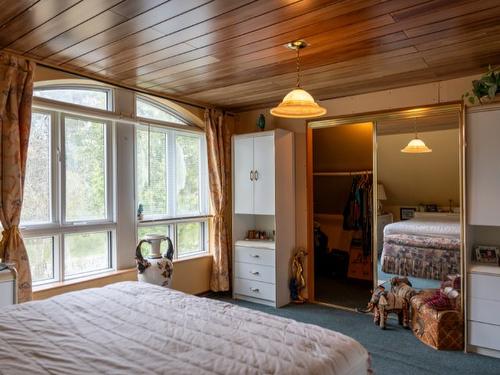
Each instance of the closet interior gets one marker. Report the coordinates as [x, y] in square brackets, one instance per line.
[342, 212]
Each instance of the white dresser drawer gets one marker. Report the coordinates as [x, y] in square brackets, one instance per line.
[484, 310]
[484, 335]
[252, 255]
[484, 286]
[254, 272]
[255, 289]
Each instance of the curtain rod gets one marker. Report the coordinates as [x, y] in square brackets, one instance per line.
[114, 83]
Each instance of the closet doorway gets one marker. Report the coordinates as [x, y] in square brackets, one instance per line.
[342, 180]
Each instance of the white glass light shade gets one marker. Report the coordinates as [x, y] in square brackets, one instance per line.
[416, 146]
[298, 103]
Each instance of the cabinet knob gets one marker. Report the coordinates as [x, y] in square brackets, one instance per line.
[251, 176]
[254, 272]
[256, 290]
[255, 256]
[256, 175]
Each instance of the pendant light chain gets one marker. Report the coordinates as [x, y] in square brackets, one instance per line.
[298, 66]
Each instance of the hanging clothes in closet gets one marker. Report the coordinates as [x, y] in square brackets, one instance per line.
[358, 210]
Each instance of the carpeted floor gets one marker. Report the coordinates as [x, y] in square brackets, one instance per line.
[342, 292]
[394, 351]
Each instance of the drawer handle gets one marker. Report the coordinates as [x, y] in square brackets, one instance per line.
[256, 290]
[254, 272]
[255, 256]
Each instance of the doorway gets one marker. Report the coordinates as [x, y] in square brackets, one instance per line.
[342, 195]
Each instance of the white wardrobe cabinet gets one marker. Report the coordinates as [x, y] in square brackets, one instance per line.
[264, 201]
[483, 217]
[254, 177]
[483, 172]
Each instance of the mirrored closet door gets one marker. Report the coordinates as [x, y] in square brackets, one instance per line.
[419, 204]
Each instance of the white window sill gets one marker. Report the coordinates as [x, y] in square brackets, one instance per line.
[108, 274]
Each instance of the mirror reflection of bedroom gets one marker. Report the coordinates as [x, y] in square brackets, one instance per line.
[418, 222]
[342, 196]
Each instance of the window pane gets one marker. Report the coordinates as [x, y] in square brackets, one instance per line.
[153, 229]
[152, 171]
[41, 256]
[86, 252]
[85, 156]
[86, 97]
[189, 237]
[37, 199]
[155, 112]
[187, 174]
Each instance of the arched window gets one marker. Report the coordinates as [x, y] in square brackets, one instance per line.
[148, 109]
[87, 96]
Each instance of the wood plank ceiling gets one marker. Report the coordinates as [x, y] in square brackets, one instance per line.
[230, 53]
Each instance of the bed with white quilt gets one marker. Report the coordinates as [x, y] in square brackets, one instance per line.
[138, 328]
[427, 246]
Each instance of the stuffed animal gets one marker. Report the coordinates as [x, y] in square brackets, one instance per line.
[382, 303]
[402, 287]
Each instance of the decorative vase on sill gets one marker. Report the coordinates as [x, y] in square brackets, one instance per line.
[155, 268]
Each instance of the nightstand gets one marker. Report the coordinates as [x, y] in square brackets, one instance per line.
[382, 221]
[8, 292]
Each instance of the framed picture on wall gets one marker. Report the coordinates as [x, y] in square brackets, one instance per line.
[406, 213]
[487, 254]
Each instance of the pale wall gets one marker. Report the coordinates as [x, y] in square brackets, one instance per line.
[412, 96]
[413, 179]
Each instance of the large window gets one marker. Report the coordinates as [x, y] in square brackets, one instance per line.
[171, 181]
[66, 216]
[81, 185]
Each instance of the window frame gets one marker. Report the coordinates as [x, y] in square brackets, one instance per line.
[108, 168]
[110, 97]
[59, 227]
[172, 219]
[138, 98]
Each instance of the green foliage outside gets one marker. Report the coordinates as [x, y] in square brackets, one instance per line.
[85, 170]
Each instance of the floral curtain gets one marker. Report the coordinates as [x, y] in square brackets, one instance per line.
[218, 133]
[16, 91]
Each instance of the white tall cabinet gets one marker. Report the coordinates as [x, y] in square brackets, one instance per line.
[264, 200]
[483, 219]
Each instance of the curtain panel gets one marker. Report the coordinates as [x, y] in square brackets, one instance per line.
[218, 132]
[16, 93]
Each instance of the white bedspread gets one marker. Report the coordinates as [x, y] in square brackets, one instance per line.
[135, 328]
[438, 226]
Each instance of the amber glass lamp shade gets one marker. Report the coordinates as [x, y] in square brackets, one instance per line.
[416, 146]
[298, 103]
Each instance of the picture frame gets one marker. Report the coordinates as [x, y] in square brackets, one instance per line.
[487, 254]
[407, 213]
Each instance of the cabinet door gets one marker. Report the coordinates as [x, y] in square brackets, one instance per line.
[243, 184]
[264, 175]
[483, 155]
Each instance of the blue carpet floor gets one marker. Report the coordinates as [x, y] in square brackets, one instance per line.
[394, 351]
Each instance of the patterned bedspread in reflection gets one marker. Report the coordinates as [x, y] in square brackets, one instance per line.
[421, 256]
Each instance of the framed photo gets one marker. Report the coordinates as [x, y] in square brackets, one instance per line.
[487, 254]
[406, 213]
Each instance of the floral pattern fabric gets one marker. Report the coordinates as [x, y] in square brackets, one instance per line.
[218, 134]
[16, 86]
[407, 258]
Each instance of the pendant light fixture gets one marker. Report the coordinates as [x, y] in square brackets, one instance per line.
[416, 145]
[298, 103]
